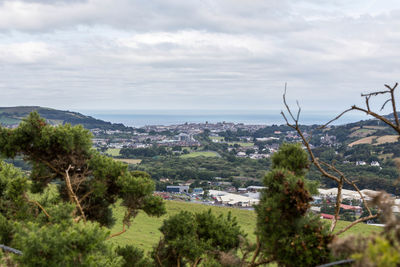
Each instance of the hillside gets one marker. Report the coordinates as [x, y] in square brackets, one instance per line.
[12, 116]
[144, 232]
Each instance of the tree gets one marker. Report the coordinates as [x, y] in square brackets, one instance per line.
[287, 233]
[70, 190]
[375, 250]
[191, 238]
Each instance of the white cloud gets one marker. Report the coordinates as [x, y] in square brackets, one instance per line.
[24, 52]
[195, 54]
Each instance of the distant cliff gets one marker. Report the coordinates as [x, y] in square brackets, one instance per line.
[10, 116]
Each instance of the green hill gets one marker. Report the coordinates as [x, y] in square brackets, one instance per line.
[144, 231]
[12, 116]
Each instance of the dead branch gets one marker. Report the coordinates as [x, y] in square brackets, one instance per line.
[119, 233]
[337, 208]
[395, 126]
[37, 204]
[339, 178]
[363, 219]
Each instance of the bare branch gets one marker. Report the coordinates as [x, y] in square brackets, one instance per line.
[384, 104]
[287, 106]
[396, 117]
[336, 118]
[363, 219]
[337, 208]
[119, 233]
[37, 204]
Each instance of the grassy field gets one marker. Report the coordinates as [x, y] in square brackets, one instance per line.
[243, 144]
[113, 151]
[362, 133]
[200, 154]
[7, 120]
[130, 161]
[376, 140]
[144, 231]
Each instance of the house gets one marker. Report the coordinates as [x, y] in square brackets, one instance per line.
[241, 154]
[360, 163]
[242, 190]
[375, 164]
[236, 200]
[327, 216]
[349, 207]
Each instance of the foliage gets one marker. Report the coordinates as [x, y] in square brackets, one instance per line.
[133, 257]
[189, 237]
[63, 154]
[288, 234]
[379, 252]
[292, 158]
[66, 243]
[56, 217]
[203, 168]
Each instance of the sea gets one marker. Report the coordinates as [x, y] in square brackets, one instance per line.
[140, 118]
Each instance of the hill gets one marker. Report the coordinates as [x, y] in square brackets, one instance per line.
[144, 231]
[12, 116]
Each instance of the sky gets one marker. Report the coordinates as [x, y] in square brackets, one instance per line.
[200, 54]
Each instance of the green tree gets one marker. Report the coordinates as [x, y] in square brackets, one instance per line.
[190, 238]
[58, 213]
[287, 233]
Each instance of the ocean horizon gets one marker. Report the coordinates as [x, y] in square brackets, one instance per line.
[140, 118]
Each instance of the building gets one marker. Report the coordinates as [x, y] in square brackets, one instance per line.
[177, 188]
[198, 191]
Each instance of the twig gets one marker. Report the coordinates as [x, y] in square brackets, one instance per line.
[337, 208]
[119, 233]
[363, 219]
[72, 194]
[340, 178]
[37, 204]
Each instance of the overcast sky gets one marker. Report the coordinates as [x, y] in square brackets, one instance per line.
[201, 54]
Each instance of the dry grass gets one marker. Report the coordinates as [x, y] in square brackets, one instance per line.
[375, 127]
[376, 140]
[387, 139]
[362, 133]
[365, 140]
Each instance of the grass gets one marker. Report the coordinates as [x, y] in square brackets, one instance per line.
[113, 151]
[200, 154]
[362, 133]
[144, 232]
[243, 144]
[376, 140]
[130, 161]
[8, 120]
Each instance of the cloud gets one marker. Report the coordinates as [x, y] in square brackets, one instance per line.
[24, 52]
[228, 54]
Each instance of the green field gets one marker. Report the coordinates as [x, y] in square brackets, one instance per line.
[243, 144]
[201, 154]
[130, 161]
[144, 231]
[113, 152]
[8, 121]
